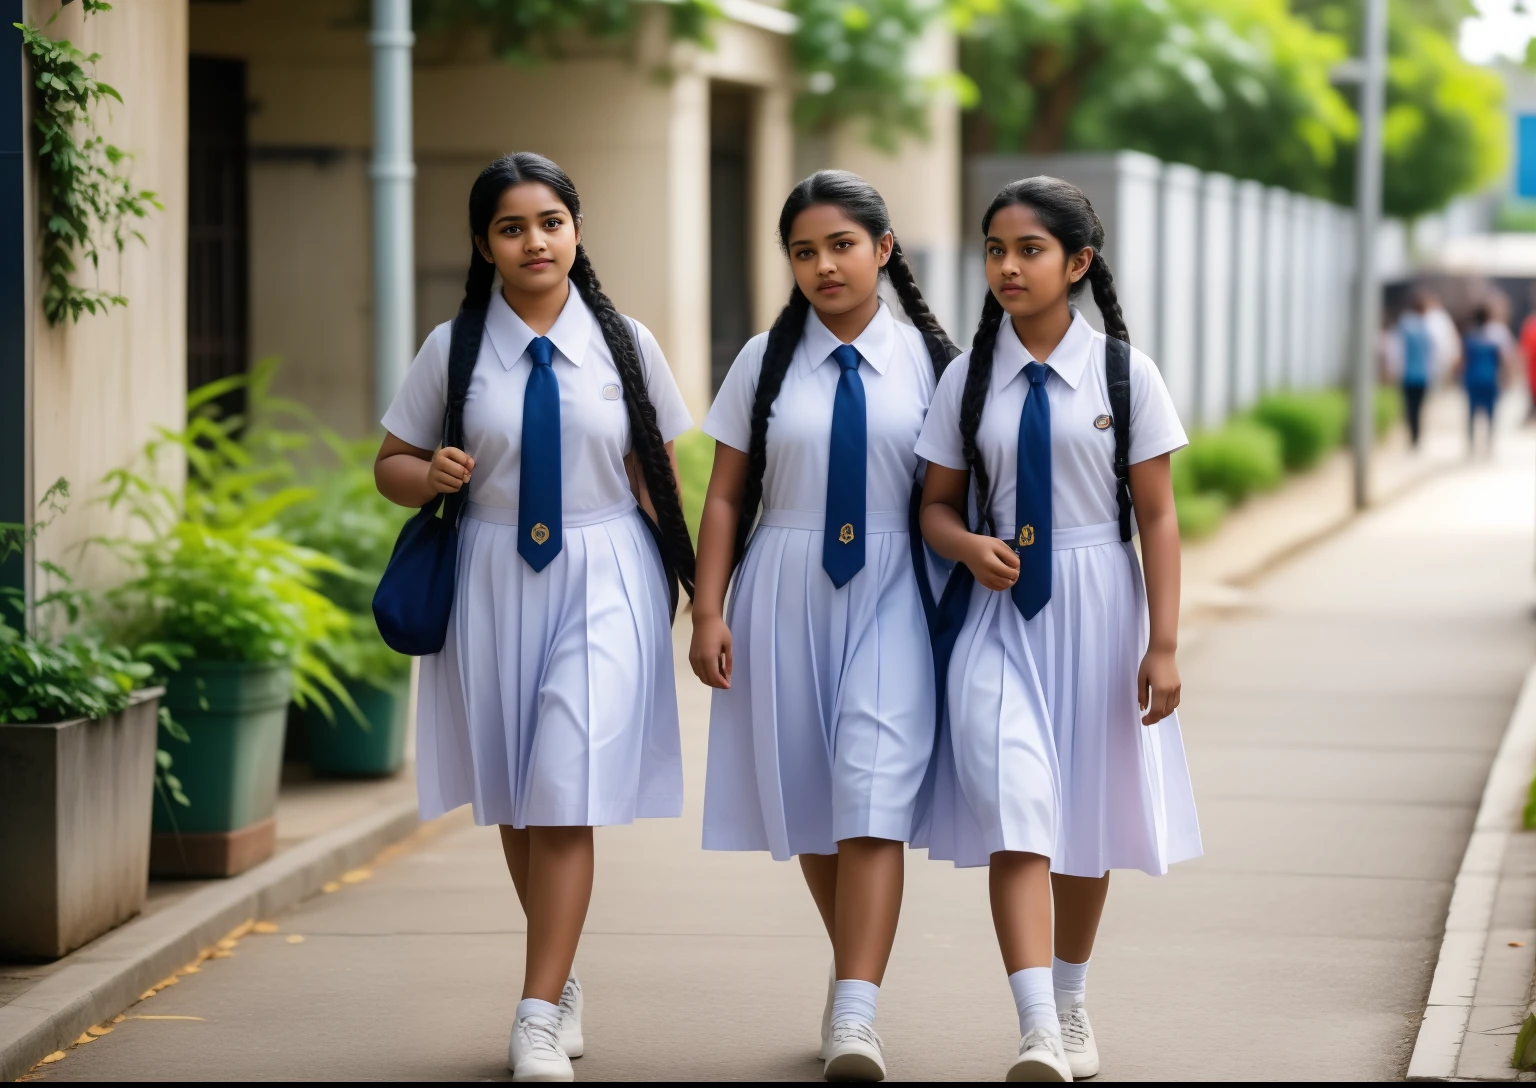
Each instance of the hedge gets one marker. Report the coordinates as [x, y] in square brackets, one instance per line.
[1309, 424]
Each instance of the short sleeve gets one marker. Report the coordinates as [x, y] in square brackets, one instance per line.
[730, 417]
[1155, 426]
[416, 414]
[672, 415]
[940, 440]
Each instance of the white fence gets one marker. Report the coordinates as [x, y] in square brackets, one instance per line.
[1232, 287]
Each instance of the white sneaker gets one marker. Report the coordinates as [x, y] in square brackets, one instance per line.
[826, 1013]
[535, 1052]
[1040, 1059]
[1077, 1040]
[854, 1052]
[571, 1039]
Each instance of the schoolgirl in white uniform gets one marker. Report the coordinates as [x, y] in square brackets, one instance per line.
[561, 594]
[819, 741]
[1062, 750]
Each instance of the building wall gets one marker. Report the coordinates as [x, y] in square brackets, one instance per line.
[97, 390]
[629, 123]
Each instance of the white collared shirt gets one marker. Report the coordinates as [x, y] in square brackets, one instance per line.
[594, 424]
[1082, 453]
[897, 373]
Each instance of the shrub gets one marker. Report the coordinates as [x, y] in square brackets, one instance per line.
[1199, 512]
[1309, 424]
[695, 459]
[1240, 458]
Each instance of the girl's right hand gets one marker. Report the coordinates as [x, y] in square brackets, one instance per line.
[710, 651]
[993, 562]
[450, 470]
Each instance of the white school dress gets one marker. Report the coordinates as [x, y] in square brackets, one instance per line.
[827, 728]
[552, 702]
[1044, 749]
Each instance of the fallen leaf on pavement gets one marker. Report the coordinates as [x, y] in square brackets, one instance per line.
[97, 1029]
[294, 938]
[119, 1019]
[199, 1019]
[57, 1055]
[85, 1037]
[356, 876]
[227, 943]
[330, 886]
[264, 927]
[1517, 944]
[221, 954]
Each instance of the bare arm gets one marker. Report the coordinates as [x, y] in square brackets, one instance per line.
[710, 652]
[945, 491]
[411, 476]
[1157, 681]
[637, 480]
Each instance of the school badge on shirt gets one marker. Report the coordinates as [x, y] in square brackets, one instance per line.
[1104, 423]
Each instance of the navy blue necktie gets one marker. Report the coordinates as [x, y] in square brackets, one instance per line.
[1032, 504]
[539, 506]
[842, 545]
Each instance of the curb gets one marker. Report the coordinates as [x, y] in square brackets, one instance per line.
[1437, 1053]
[112, 973]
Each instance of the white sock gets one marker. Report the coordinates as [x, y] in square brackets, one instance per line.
[854, 999]
[533, 1007]
[1033, 997]
[1070, 981]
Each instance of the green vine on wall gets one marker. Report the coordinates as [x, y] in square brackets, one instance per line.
[86, 199]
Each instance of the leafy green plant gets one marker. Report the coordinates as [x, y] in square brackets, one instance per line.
[53, 676]
[86, 190]
[1236, 460]
[522, 30]
[695, 461]
[1309, 423]
[213, 573]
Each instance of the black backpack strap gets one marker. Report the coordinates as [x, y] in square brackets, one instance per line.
[1117, 372]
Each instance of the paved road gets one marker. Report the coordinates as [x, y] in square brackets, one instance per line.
[1340, 731]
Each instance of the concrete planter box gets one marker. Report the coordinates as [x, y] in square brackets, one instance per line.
[75, 802]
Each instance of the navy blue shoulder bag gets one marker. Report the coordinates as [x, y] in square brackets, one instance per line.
[415, 596]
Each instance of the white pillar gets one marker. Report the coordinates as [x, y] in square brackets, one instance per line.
[1368, 211]
[1216, 299]
[393, 174]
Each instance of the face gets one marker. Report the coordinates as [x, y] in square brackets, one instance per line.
[1028, 270]
[835, 261]
[532, 239]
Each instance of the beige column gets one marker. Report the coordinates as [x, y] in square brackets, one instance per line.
[773, 173]
[684, 240]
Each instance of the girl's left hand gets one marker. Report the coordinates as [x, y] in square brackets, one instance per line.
[1157, 686]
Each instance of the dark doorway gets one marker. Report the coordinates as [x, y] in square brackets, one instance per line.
[218, 225]
[730, 258]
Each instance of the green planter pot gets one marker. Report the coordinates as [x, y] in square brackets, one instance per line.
[234, 712]
[344, 749]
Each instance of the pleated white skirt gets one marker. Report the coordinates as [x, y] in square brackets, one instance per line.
[1043, 749]
[553, 701]
[827, 729]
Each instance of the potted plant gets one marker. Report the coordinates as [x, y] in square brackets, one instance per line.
[77, 765]
[214, 577]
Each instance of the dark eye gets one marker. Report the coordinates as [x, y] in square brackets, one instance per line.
[995, 251]
[551, 224]
[804, 254]
[1030, 251]
[513, 228]
[844, 244]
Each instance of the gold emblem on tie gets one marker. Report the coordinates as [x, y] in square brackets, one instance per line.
[846, 533]
[1026, 536]
[540, 533]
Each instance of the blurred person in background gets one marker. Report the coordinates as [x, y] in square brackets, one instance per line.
[1411, 359]
[1528, 349]
[1443, 331]
[1487, 360]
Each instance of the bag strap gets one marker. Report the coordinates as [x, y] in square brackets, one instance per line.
[460, 371]
[1117, 372]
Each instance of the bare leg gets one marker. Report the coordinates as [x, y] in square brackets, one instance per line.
[558, 890]
[1079, 906]
[869, 886]
[514, 847]
[820, 871]
[1020, 885]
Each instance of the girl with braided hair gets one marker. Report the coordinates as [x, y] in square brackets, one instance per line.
[1060, 757]
[819, 743]
[564, 580]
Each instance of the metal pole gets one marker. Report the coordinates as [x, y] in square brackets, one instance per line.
[393, 174]
[1368, 215]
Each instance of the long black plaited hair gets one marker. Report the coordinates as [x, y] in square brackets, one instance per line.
[1063, 210]
[862, 203]
[495, 179]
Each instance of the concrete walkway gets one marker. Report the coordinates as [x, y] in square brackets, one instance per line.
[1340, 728]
